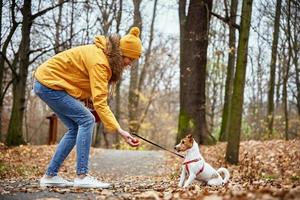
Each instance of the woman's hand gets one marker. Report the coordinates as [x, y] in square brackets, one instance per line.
[128, 138]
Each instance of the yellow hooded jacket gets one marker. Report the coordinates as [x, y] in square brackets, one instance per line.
[83, 72]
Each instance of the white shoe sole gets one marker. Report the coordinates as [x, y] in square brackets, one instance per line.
[55, 185]
[91, 186]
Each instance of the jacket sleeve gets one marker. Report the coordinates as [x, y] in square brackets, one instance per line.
[99, 78]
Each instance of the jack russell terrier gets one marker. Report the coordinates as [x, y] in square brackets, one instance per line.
[194, 165]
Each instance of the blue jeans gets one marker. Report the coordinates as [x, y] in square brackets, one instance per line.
[79, 121]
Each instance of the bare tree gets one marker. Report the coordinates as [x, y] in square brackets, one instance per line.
[58, 28]
[270, 115]
[15, 133]
[232, 151]
[286, 69]
[15, 129]
[4, 60]
[110, 12]
[133, 86]
[194, 27]
[294, 22]
[118, 86]
[230, 70]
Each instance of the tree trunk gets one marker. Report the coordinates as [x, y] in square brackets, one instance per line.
[230, 72]
[72, 24]
[297, 70]
[99, 131]
[215, 84]
[119, 16]
[118, 86]
[286, 71]
[194, 29]
[58, 28]
[15, 129]
[270, 115]
[1, 68]
[295, 48]
[117, 111]
[133, 85]
[236, 110]
[3, 87]
[109, 13]
[1, 7]
[278, 84]
[260, 93]
[141, 81]
[148, 51]
[284, 93]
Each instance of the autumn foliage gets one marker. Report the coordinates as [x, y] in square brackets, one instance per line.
[267, 170]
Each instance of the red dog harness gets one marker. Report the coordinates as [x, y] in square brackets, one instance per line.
[191, 161]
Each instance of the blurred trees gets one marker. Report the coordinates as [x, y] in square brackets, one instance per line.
[5, 63]
[15, 128]
[20, 67]
[110, 14]
[75, 23]
[230, 69]
[147, 99]
[133, 95]
[270, 115]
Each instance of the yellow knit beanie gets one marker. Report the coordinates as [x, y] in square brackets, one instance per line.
[130, 44]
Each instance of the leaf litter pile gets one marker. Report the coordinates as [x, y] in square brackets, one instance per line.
[267, 170]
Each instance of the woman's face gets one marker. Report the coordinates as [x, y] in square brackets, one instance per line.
[127, 62]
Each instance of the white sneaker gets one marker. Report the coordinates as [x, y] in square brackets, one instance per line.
[54, 181]
[90, 182]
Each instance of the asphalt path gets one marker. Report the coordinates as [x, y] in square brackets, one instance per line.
[119, 165]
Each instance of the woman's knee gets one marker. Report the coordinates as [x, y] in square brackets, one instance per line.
[73, 129]
[88, 120]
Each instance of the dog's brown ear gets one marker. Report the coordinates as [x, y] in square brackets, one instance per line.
[190, 136]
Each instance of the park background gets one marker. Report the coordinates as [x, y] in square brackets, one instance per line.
[151, 97]
[225, 71]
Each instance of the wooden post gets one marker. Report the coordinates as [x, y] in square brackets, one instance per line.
[52, 129]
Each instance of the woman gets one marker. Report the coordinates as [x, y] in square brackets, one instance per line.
[75, 75]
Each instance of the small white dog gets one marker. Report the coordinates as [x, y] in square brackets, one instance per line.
[194, 165]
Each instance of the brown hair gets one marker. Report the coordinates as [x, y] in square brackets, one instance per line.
[114, 56]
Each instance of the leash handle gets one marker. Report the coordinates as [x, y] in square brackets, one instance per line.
[177, 154]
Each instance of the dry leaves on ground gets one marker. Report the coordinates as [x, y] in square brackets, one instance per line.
[267, 170]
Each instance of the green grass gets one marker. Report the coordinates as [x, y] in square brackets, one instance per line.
[295, 178]
[4, 168]
[270, 177]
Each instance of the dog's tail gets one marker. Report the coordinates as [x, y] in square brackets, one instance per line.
[226, 174]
